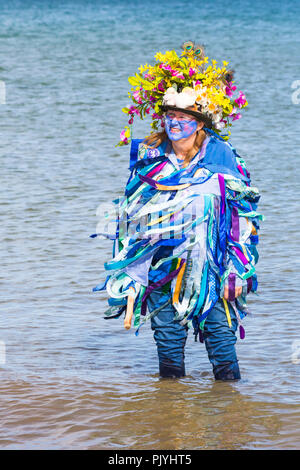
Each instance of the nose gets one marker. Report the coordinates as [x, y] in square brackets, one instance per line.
[174, 121]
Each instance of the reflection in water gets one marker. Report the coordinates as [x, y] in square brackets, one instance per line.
[160, 414]
[176, 416]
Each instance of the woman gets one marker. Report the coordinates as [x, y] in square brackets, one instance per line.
[185, 243]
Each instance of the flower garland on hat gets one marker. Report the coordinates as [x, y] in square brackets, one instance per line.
[184, 81]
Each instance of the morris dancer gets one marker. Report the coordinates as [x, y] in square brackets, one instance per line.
[184, 250]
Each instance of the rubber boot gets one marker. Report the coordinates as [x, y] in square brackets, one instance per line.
[227, 371]
[170, 336]
[170, 370]
[220, 341]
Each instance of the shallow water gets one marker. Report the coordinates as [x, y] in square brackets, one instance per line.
[69, 378]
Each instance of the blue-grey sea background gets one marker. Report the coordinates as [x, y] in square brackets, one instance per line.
[69, 378]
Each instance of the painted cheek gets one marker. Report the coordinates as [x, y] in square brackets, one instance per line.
[184, 128]
[188, 128]
[169, 125]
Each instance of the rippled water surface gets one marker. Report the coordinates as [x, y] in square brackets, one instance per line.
[70, 379]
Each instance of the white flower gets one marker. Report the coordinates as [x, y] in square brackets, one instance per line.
[201, 92]
[169, 97]
[202, 101]
[186, 98]
[171, 90]
[217, 117]
[219, 125]
[205, 108]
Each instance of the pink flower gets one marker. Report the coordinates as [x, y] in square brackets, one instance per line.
[148, 110]
[165, 66]
[156, 116]
[228, 91]
[130, 120]
[149, 77]
[134, 110]
[175, 73]
[236, 116]
[161, 86]
[123, 137]
[241, 100]
[192, 72]
[136, 95]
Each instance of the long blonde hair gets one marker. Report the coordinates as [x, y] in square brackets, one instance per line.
[157, 138]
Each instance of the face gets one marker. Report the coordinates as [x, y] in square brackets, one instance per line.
[179, 125]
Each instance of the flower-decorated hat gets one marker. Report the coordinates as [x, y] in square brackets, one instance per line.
[184, 83]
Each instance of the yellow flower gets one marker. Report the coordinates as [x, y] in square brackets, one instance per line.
[159, 57]
[143, 68]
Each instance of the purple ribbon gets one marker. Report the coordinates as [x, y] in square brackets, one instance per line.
[151, 181]
[231, 286]
[222, 190]
[146, 179]
[242, 332]
[159, 283]
[235, 224]
[240, 255]
[249, 284]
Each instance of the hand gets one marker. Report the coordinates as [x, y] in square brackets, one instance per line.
[238, 291]
[129, 309]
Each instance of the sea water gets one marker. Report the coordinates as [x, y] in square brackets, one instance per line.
[69, 378]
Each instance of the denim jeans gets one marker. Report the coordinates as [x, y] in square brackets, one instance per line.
[170, 337]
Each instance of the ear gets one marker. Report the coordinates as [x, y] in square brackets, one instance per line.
[200, 126]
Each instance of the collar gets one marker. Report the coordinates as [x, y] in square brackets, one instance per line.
[199, 155]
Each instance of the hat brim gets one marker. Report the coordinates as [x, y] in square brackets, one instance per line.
[200, 116]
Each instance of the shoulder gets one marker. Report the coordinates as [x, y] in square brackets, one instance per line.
[221, 156]
[220, 152]
[140, 151]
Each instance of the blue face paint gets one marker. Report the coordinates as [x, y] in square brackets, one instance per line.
[179, 129]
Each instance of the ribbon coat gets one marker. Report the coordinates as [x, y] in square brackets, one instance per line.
[189, 231]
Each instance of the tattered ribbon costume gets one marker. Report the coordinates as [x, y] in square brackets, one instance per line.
[192, 231]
